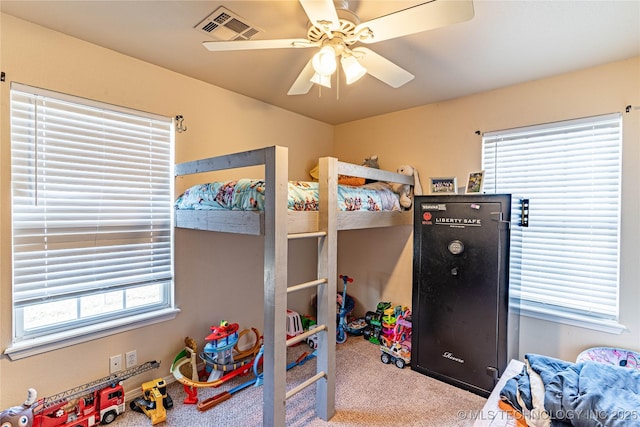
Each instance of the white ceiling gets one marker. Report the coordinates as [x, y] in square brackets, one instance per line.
[506, 42]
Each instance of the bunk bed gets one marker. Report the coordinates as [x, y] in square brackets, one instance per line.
[278, 225]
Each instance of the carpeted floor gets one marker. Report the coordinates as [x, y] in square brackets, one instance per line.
[368, 393]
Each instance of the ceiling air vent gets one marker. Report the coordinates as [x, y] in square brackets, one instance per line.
[223, 24]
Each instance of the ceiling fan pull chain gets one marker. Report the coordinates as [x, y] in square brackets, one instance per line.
[338, 83]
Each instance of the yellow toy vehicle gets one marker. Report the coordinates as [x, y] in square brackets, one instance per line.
[154, 401]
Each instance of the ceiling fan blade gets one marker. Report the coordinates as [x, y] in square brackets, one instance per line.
[381, 68]
[321, 13]
[224, 45]
[303, 83]
[416, 19]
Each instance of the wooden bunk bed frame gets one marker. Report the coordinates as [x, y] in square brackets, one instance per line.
[278, 225]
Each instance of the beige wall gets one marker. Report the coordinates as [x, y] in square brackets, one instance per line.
[217, 123]
[440, 140]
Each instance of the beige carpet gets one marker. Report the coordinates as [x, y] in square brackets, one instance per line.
[368, 393]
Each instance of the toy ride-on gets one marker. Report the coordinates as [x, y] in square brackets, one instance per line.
[346, 306]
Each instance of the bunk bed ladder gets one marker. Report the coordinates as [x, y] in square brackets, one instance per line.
[276, 291]
[326, 293]
[325, 287]
[320, 329]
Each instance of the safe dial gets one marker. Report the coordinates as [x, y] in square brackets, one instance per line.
[456, 247]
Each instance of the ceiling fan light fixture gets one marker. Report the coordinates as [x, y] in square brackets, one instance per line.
[322, 80]
[324, 62]
[353, 70]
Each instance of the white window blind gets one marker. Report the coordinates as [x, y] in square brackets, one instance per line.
[566, 262]
[91, 212]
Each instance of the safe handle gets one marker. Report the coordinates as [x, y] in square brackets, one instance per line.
[500, 220]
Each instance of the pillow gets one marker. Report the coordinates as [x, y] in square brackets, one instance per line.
[350, 180]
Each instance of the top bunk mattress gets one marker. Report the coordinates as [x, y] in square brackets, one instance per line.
[248, 195]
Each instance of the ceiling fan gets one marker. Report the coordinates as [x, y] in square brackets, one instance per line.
[335, 31]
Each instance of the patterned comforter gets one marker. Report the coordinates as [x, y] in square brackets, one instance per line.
[248, 194]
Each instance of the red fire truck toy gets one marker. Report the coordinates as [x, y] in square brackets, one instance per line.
[98, 402]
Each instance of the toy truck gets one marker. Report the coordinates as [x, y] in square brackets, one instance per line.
[395, 354]
[154, 401]
[98, 402]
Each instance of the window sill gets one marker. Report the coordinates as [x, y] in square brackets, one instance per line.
[601, 325]
[56, 341]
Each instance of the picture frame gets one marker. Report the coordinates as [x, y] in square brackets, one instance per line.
[443, 185]
[474, 183]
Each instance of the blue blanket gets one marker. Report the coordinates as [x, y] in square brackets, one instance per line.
[576, 394]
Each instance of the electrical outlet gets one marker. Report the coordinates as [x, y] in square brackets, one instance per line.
[115, 363]
[131, 358]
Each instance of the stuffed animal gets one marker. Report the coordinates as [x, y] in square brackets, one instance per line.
[20, 416]
[405, 190]
[371, 162]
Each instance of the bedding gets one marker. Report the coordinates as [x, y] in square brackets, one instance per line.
[612, 356]
[248, 194]
[555, 393]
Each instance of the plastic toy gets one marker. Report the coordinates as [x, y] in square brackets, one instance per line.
[256, 381]
[396, 327]
[388, 324]
[383, 306]
[373, 330]
[395, 338]
[294, 324]
[154, 401]
[186, 356]
[221, 354]
[343, 327]
[309, 322]
[20, 416]
[396, 354]
[100, 401]
[356, 326]
[312, 341]
[219, 348]
[402, 330]
[191, 348]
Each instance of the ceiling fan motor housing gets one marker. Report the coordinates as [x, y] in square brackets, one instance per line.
[344, 32]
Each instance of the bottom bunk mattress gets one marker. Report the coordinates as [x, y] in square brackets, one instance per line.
[552, 392]
[248, 195]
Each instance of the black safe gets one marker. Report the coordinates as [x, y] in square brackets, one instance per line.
[464, 331]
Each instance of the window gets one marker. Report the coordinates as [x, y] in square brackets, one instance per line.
[565, 264]
[91, 216]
